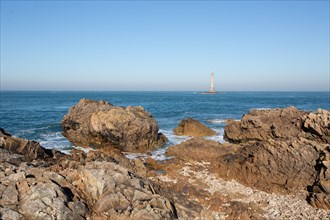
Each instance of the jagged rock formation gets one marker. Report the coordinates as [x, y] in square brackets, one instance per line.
[269, 166]
[192, 127]
[29, 149]
[280, 150]
[281, 124]
[320, 191]
[79, 186]
[275, 162]
[318, 125]
[100, 124]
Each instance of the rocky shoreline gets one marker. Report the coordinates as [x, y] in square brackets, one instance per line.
[274, 165]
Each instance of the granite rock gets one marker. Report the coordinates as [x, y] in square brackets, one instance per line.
[192, 127]
[100, 124]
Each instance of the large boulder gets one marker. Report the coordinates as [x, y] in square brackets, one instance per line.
[273, 166]
[192, 127]
[100, 124]
[287, 123]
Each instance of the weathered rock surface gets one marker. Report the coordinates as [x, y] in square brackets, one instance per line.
[272, 166]
[29, 149]
[318, 124]
[269, 166]
[200, 193]
[80, 186]
[100, 124]
[320, 190]
[280, 150]
[260, 125]
[192, 127]
[114, 192]
[287, 123]
[200, 149]
[266, 174]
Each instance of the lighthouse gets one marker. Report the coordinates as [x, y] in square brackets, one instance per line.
[212, 90]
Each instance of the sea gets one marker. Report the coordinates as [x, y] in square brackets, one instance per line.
[37, 115]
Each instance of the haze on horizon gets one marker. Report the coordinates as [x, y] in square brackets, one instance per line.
[165, 46]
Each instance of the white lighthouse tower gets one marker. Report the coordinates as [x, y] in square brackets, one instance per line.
[212, 89]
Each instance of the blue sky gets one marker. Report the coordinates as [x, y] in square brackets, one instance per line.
[167, 45]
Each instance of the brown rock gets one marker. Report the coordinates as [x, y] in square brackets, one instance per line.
[198, 149]
[9, 214]
[100, 124]
[271, 166]
[108, 189]
[318, 123]
[29, 149]
[192, 127]
[46, 201]
[320, 189]
[92, 186]
[286, 123]
[113, 189]
[320, 200]
[260, 125]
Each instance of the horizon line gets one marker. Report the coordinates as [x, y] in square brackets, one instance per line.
[220, 91]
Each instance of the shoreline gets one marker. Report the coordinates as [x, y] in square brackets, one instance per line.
[199, 173]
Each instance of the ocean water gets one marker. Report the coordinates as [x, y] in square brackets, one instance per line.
[37, 115]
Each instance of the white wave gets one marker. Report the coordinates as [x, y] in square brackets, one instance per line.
[218, 137]
[260, 109]
[55, 140]
[172, 138]
[159, 154]
[217, 121]
[86, 150]
[30, 131]
[133, 156]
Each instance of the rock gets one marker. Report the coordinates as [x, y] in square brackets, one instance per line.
[288, 149]
[318, 123]
[198, 149]
[269, 166]
[29, 149]
[9, 214]
[46, 201]
[111, 188]
[320, 200]
[139, 167]
[272, 166]
[100, 124]
[277, 150]
[319, 195]
[286, 123]
[28, 192]
[265, 124]
[192, 127]
[92, 186]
